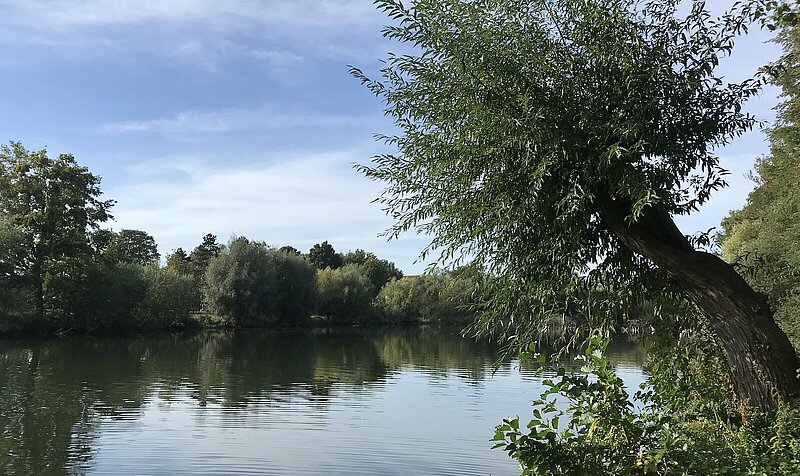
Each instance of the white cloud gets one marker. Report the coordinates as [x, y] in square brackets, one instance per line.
[210, 52]
[233, 120]
[300, 200]
[206, 34]
[70, 15]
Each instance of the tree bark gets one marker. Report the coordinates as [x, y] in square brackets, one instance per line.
[39, 289]
[762, 359]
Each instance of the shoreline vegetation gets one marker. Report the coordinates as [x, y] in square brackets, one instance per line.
[61, 272]
[554, 143]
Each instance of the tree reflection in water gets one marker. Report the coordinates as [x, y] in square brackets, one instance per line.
[56, 392]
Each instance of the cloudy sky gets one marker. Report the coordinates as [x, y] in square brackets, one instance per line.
[237, 116]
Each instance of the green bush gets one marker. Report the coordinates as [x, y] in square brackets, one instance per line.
[169, 300]
[397, 301]
[249, 283]
[345, 294]
[379, 271]
[763, 238]
[87, 295]
[436, 297]
[788, 315]
[295, 290]
[588, 424]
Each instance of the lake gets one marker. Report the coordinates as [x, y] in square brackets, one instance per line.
[334, 402]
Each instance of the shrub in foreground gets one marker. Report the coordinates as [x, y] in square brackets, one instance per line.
[587, 423]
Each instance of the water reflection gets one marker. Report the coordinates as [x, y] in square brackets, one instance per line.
[397, 401]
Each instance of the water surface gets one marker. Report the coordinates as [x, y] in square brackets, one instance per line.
[337, 402]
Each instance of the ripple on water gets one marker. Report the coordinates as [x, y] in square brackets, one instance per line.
[399, 402]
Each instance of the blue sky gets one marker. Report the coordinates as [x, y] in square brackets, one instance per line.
[238, 116]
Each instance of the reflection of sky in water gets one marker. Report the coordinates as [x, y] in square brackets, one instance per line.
[410, 424]
[383, 403]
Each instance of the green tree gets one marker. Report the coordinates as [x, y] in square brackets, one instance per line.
[289, 249]
[169, 300]
[345, 294]
[249, 283]
[92, 294]
[179, 262]
[443, 297]
[763, 238]
[379, 271]
[398, 303]
[133, 246]
[237, 287]
[202, 255]
[322, 255]
[294, 288]
[14, 250]
[57, 201]
[100, 239]
[554, 141]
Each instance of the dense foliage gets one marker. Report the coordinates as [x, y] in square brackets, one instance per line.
[323, 255]
[132, 246]
[587, 423]
[552, 142]
[345, 294]
[430, 298]
[518, 118]
[687, 420]
[763, 239]
[250, 283]
[169, 300]
[61, 271]
[379, 271]
[56, 202]
[15, 298]
[201, 257]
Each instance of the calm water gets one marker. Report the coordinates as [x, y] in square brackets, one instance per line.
[405, 402]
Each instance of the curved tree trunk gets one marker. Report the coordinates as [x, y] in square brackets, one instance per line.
[762, 359]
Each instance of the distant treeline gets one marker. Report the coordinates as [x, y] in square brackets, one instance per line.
[61, 271]
[249, 283]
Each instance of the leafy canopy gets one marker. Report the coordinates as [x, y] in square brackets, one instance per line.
[202, 255]
[179, 262]
[516, 116]
[133, 246]
[322, 255]
[345, 293]
[379, 271]
[250, 283]
[55, 202]
[54, 199]
[763, 238]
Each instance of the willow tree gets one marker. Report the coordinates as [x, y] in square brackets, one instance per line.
[554, 141]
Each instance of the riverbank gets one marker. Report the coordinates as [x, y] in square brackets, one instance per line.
[203, 321]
